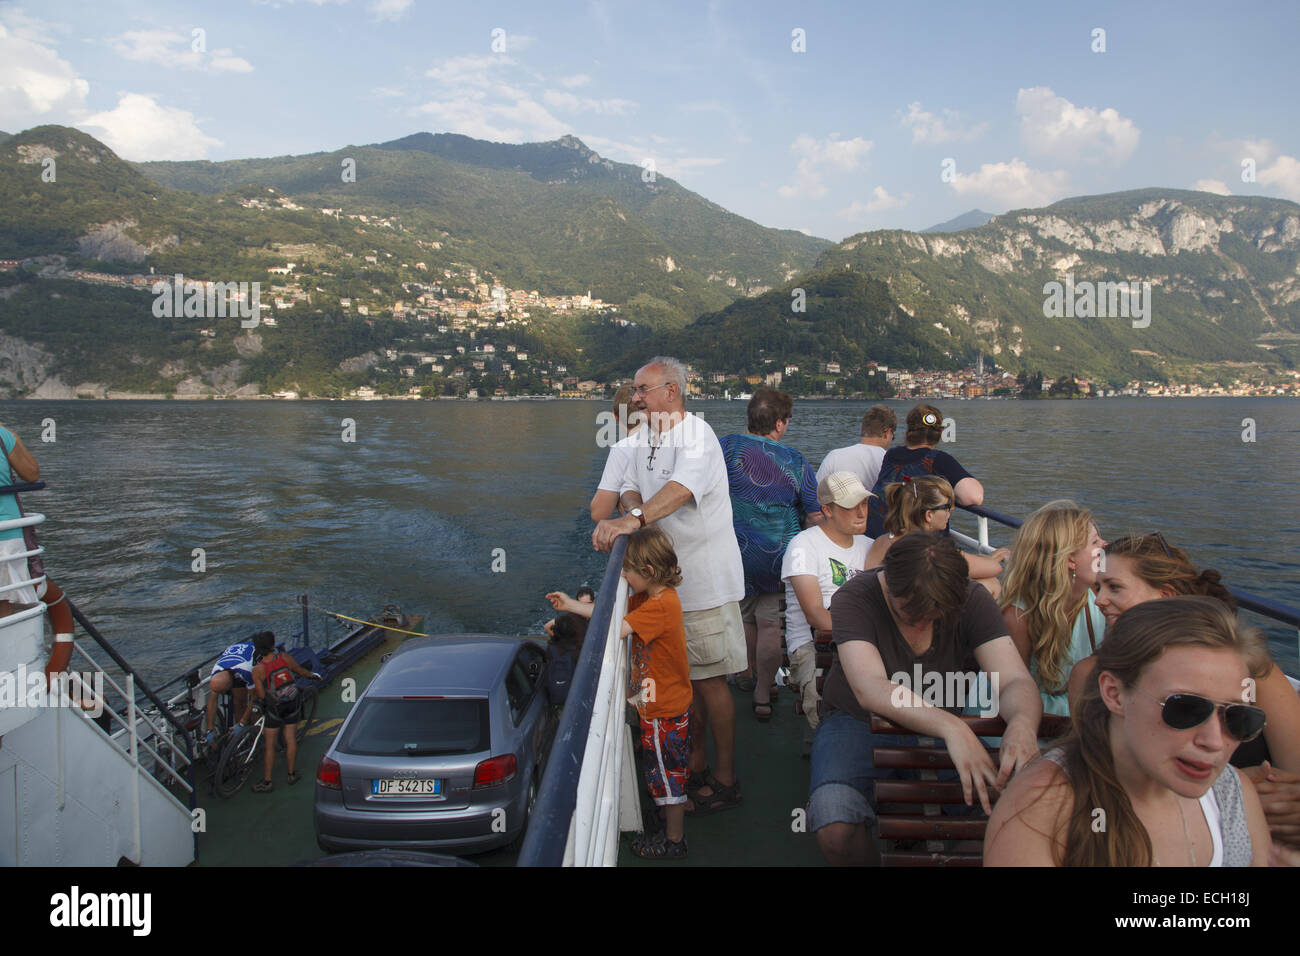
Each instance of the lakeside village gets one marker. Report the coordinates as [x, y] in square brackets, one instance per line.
[452, 307]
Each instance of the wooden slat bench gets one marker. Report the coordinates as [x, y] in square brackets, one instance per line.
[898, 801]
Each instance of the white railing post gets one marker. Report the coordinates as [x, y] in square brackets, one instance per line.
[135, 762]
[983, 524]
[61, 797]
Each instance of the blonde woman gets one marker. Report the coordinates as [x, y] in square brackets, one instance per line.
[925, 504]
[1047, 600]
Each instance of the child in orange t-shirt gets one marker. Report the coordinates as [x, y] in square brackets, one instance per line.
[661, 674]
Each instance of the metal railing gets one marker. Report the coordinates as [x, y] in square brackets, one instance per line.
[553, 815]
[178, 764]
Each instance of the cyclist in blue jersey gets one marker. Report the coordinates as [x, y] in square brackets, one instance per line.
[233, 671]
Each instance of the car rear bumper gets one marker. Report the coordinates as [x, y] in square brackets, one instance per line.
[473, 829]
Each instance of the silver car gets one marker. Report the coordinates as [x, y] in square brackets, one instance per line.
[444, 750]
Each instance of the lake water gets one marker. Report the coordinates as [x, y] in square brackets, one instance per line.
[414, 510]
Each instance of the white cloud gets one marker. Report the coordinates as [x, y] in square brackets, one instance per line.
[1213, 186]
[521, 120]
[817, 155]
[1013, 184]
[1272, 167]
[471, 69]
[139, 129]
[390, 9]
[573, 82]
[929, 129]
[675, 168]
[1053, 126]
[170, 49]
[583, 104]
[1284, 175]
[879, 202]
[34, 81]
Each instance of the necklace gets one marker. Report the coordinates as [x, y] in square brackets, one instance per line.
[1191, 857]
[1187, 836]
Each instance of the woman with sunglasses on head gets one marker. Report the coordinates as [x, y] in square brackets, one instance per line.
[1140, 568]
[925, 504]
[1148, 756]
[1047, 600]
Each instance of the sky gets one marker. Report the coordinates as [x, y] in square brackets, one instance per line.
[832, 118]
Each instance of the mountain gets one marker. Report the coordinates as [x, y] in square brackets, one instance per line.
[553, 216]
[1224, 275]
[967, 220]
[4, 136]
[369, 275]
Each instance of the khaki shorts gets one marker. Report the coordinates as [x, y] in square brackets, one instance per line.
[715, 641]
[803, 674]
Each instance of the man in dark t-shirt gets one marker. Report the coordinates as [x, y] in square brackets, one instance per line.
[916, 458]
[903, 635]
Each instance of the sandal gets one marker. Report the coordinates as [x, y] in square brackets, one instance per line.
[722, 798]
[263, 786]
[746, 685]
[697, 780]
[659, 847]
[763, 718]
[293, 778]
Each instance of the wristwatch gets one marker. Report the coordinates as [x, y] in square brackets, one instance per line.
[639, 515]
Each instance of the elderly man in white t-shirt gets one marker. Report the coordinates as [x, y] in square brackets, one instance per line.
[677, 477]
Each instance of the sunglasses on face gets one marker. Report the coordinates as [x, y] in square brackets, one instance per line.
[1241, 722]
[948, 507]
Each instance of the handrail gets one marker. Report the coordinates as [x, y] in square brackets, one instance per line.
[21, 487]
[142, 686]
[548, 828]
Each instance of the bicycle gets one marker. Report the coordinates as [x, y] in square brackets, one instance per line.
[244, 748]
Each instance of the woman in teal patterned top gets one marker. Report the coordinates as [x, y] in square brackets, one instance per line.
[1047, 598]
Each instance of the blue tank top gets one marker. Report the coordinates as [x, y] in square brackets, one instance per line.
[1080, 647]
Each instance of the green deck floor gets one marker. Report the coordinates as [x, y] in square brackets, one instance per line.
[275, 829]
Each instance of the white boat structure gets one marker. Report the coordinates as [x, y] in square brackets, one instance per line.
[71, 793]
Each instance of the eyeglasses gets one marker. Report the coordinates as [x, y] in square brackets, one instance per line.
[646, 389]
[1242, 722]
[948, 507]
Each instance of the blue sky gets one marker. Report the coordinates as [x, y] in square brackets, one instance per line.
[849, 134]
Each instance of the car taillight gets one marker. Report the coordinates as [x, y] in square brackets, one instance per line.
[329, 775]
[494, 772]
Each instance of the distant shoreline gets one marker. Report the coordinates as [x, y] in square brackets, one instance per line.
[159, 397]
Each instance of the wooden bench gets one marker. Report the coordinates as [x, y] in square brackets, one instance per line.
[912, 810]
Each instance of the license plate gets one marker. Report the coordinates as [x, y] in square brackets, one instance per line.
[391, 787]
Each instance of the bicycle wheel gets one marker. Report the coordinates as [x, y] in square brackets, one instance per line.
[309, 700]
[237, 761]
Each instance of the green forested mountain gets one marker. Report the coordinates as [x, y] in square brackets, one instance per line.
[549, 216]
[1224, 274]
[449, 216]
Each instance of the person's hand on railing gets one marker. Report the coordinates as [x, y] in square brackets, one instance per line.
[1001, 556]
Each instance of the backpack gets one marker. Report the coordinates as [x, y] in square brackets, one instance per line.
[559, 676]
[281, 683]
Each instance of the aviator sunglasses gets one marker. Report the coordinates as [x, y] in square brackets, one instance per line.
[1242, 722]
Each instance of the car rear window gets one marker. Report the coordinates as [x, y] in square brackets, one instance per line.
[415, 727]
